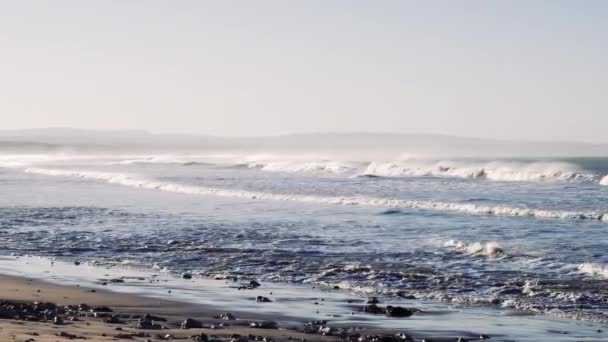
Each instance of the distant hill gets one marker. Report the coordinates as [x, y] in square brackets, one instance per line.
[389, 144]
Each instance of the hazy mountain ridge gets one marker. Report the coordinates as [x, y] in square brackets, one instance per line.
[78, 140]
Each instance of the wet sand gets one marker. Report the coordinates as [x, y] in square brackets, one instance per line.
[128, 310]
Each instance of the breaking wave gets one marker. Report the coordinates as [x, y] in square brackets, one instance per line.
[460, 207]
[476, 248]
[596, 270]
[496, 171]
[509, 171]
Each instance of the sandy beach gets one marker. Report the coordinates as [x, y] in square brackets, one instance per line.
[34, 310]
[106, 316]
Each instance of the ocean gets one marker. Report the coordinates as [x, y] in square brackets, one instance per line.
[506, 237]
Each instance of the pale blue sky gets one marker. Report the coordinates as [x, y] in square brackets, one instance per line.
[504, 69]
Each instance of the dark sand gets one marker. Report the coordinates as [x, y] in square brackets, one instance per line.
[130, 308]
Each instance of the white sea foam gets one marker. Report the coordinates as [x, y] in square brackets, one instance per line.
[467, 208]
[596, 270]
[176, 159]
[497, 171]
[476, 248]
[604, 181]
[298, 164]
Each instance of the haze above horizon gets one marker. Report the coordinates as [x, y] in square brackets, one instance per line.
[512, 70]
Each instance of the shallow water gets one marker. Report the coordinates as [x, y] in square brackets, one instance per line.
[516, 235]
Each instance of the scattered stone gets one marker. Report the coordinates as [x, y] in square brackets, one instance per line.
[77, 262]
[398, 311]
[373, 300]
[374, 309]
[405, 295]
[262, 299]
[264, 325]
[325, 330]
[227, 316]
[70, 336]
[57, 320]
[113, 319]
[123, 336]
[199, 338]
[154, 318]
[190, 323]
[187, 276]
[254, 284]
[404, 337]
[239, 339]
[148, 324]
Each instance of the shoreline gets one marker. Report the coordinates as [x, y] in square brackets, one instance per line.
[340, 315]
[108, 315]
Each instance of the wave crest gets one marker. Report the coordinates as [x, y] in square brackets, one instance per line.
[460, 207]
[596, 270]
[496, 171]
[476, 248]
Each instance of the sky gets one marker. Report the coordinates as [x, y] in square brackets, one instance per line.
[533, 70]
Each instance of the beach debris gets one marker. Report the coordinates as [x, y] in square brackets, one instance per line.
[187, 276]
[77, 262]
[227, 316]
[314, 327]
[57, 320]
[264, 325]
[202, 337]
[404, 337]
[374, 309]
[373, 300]
[148, 324]
[254, 284]
[190, 323]
[83, 307]
[238, 338]
[112, 319]
[405, 295]
[262, 299]
[398, 311]
[70, 336]
[400, 337]
[164, 337]
[122, 336]
[154, 318]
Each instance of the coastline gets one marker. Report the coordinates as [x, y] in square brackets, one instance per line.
[336, 314]
[93, 323]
